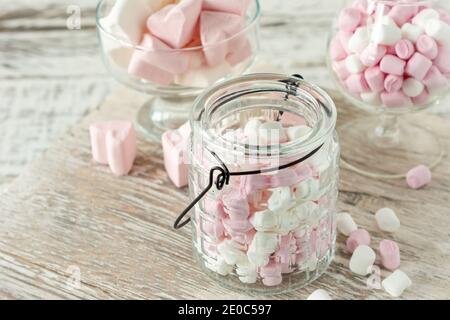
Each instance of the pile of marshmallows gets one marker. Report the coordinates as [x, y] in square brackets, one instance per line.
[162, 27]
[396, 56]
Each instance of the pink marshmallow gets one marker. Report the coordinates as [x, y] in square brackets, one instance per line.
[213, 229]
[239, 51]
[372, 55]
[444, 15]
[403, 13]
[418, 66]
[340, 67]
[442, 61]
[344, 37]
[395, 99]
[418, 177]
[357, 238]
[251, 183]
[174, 145]
[272, 281]
[237, 227]
[390, 254]
[349, 19]
[289, 119]
[393, 83]
[404, 49]
[284, 178]
[114, 143]
[236, 205]
[375, 79]
[230, 6]
[175, 23]
[273, 269]
[422, 98]
[356, 83]
[337, 52]
[391, 64]
[435, 81]
[140, 68]
[427, 46]
[391, 50]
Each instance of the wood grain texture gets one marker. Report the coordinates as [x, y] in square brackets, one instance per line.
[64, 211]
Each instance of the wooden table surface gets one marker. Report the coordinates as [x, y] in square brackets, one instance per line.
[65, 215]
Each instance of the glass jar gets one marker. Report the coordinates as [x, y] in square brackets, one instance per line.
[266, 216]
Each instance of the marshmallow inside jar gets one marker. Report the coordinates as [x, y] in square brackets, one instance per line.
[402, 40]
[268, 141]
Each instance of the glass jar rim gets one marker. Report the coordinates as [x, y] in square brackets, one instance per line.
[286, 149]
[254, 20]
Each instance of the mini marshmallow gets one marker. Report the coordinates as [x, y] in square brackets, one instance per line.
[230, 253]
[412, 87]
[404, 49]
[264, 220]
[140, 68]
[422, 99]
[372, 55]
[308, 189]
[442, 61]
[203, 77]
[359, 41]
[418, 66]
[289, 119]
[174, 145]
[356, 83]
[230, 6]
[387, 220]
[235, 205]
[357, 238]
[395, 99]
[175, 23]
[375, 79]
[344, 37]
[386, 32]
[264, 242]
[418, 177]
[345, 223]
[341, 70]
[402, 13]
[337, 52]
[252, 127]
[272, 281]
[435, 81]
[319, 294]
[298, 132]
[280, 199]
[427, 46]
[412, 32]
[362, 260]
[354, 64]
[391, 64]
[393, 83]
[396, 283]
[114, 143]
[439, 31]
[349, 19]
[423, 17]
[284, 178]
[372, 98]
[272, 132]
[220, 266]
[390, 254]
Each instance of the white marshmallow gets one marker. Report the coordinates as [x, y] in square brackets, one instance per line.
[264, 220]
[230, 253]
[412, 87]
[249, 279]
[280, 199]
[387, 220]
[288, 221]
[204, 76]
[298, 132]
[252, 127]
[220, 266]
[422, 18]
[386, 32]
[354, 64]
[247, 271]
[308, 189]
[359, 41]
[412, 32]
[372, 98]
[259, 259]
[307, 210]
[362, 260]
[345, 223]
[319, 294]
[396, 283]
[272, 132]
[263, 243]
[439, 31]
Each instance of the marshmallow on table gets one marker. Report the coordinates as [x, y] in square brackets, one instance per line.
[427, 46]
[418, 177]
[231, 6]
[174, 145]
[418, 66]
[350, 19]
[372, 55]
[396, 283]
[375, 79]
[404, 49]
[387, 220]
[357, 238]
[345, 223]
[391, 64]
[114, 143]
[423, 17]
[390, 254]
[386, 32]
[412, 87]
[362, 260]
[359, 40]
[354, 64]
[203, 77]
[438, 30]
[412, 32]
[175, 23]
[319, 294]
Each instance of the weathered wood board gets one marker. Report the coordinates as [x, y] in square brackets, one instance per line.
[66, 215]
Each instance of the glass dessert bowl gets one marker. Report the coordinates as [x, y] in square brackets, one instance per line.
[173, 50]
[392, 59]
